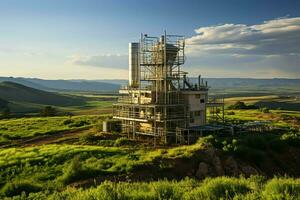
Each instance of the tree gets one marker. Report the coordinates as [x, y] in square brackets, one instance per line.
[48, 111]
[241, 105]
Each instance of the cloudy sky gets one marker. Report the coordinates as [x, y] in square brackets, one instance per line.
[88, 39]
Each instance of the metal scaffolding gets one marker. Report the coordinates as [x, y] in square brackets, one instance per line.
[155, 104]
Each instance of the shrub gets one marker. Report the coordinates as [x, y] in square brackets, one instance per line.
[106, 143]
[79, 123]
[68, 121]
[17, 187]
[230, 145]
[72, 172]
[291, 138]
[87, 138]
[122, 141]
[5, 113]
[256, 142]
[250, 154]
[241, 105]
[48, 111]
[278, 145]
[230, 113]
[207, 140]
[264, 110]
[167, 190]
[219, 188]
[282, 188]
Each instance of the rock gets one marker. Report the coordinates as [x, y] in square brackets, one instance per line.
[216, 162]
[211, 164]
[213, 159]
[203, 170]
[248, 170]
[231, 167]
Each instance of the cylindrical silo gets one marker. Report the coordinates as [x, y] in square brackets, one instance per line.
[134, 69]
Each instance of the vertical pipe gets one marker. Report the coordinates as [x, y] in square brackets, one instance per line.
[165, 86]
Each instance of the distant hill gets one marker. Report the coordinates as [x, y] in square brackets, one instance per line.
[15, 92]
[246, 82]
[249, 86]
[65, 85]
[3, 103]
[217, 85]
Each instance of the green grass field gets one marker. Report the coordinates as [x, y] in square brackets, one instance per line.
[94, 165]
[22, 128]
[286, 116]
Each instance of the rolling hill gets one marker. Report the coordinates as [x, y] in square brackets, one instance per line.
[64, 85]
[15, 92]
[3, 103]
[223, 86]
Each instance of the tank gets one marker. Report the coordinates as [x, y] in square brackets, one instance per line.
[158, 53]
[134, 69]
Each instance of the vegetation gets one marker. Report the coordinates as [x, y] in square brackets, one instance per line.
[48, 111]
[255, 187]
[10, 91]
[242, 105]
[37, 126]
[110, 166]
[5, 113]
[280, 118]
[3, 104]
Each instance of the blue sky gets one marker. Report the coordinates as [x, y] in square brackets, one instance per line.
[88, 39]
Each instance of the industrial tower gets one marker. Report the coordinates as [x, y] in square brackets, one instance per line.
[159, 100]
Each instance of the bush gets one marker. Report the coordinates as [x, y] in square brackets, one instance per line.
[282, 188]
[5, 113]
[106, 143]
[122, 141]
[79, 123]
[291, 138]
[250, 154]
[68, 121]
[278, 145]
[219, 188]
[167, 190]
[18, 187]
[256, 142]
[241, 105]
[207, 140]
[48, 111]
[72, 172]
[230, 113]
[265, 110]
[88, 138]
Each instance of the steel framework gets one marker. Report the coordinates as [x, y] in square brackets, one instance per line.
[156, 106]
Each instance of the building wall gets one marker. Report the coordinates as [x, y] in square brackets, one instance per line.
[196, 101]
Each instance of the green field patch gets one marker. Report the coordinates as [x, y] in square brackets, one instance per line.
[12, 129]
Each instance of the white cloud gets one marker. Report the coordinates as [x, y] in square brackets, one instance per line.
[266, 50]
[275, 37]
[104, 60]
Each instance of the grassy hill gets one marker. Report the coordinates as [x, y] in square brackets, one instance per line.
[16, 93]
[64, 85]
[3, 104]
[225, 86]
[68, 157]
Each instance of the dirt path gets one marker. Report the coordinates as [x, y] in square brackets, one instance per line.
[50, 139]
[66, 136]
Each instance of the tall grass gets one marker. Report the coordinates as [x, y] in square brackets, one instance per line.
[225, 188]
[29, 127]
